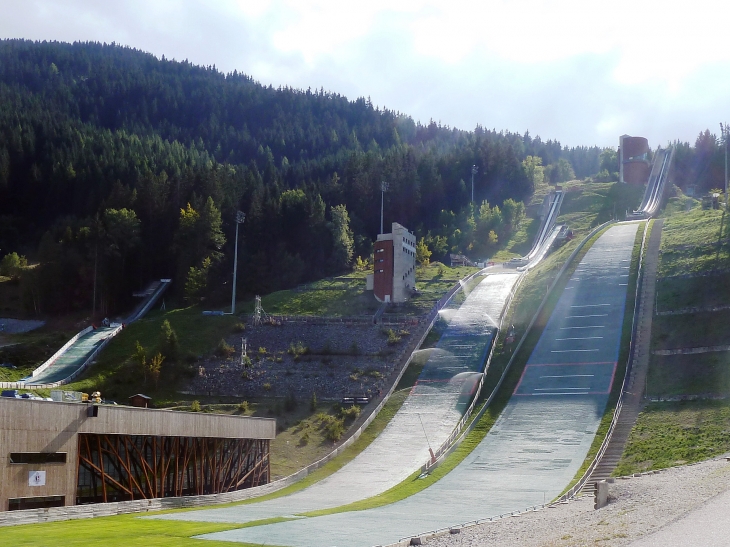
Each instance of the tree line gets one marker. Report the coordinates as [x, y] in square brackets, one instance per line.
[117, 167]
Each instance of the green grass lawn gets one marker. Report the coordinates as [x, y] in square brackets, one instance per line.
[675, 433]
[676, 293]
[702, 374]
[691, 330]
[346, 295]
[694, 241]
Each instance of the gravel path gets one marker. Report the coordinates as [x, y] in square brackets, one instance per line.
[638, 506]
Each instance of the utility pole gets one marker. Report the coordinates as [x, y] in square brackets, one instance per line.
[474, 171]
[724, 130]
[383, 188]
[240, 217]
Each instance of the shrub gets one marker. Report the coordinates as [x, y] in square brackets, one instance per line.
[239, 327]
[262, 351]
[334, 429]
[169, 345]
[267, 386]
[195, 406]
[297, 350]
[304, 439]
[224, 349]
[243, 406]
[246, 361]
[350, 413]
[393, 338]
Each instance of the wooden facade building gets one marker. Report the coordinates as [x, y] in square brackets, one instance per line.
[57, 454]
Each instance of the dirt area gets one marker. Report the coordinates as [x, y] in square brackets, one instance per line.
[331, 360]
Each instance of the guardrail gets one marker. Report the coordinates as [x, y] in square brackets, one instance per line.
[577, 487]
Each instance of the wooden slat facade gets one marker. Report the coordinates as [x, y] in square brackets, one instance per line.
[145, 453]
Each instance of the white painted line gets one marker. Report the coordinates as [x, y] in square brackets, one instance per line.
[622, 284]
[570, 350]
[558, 388]
[588, 327]
[581, 338]
[586, 392]
[569, 376]
[589, 305]
[579, 316]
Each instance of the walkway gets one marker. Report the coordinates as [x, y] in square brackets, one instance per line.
[536, 446]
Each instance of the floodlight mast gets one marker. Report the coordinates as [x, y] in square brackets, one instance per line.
[474, 171]
[724, 130]
[383, 188]
[240, 217]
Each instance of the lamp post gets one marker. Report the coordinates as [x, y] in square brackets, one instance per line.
[383, 188]
[474, 171]
[724, 130]
[240, 217]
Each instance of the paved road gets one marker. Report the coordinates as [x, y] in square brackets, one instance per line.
[73, 358]
[429, 414]
[538, 443]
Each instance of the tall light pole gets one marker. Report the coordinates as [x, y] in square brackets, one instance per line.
[240, 217]
[474, 171]
[383, 188]
[724, 130]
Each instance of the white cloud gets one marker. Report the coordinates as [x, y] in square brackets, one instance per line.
[579, 71]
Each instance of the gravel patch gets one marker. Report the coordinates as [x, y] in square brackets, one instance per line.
[15, 326]
[638, 506]
[342, 360]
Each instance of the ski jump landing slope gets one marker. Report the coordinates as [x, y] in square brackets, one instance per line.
[538, 443]
[429, 414]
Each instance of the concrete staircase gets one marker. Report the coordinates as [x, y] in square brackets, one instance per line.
[638, 365]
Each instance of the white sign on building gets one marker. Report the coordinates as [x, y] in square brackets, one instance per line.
[36, 478]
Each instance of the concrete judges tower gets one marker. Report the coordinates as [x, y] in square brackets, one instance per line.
[633, 160]
[57, 454]
[394, 275]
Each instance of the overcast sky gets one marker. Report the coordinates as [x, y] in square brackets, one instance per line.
[581, 71]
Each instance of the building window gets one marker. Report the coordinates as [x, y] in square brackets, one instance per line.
[17, 504]
[37, 457]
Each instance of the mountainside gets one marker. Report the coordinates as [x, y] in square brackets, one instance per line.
[113, 154]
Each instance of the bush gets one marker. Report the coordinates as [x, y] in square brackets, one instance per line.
[195, 406]
[224, 349]
[169, 345]
[334, 429]
[267, 386]
[239, 327]
[243, 406]
[262, 351]
[393, 338]
[297, 350]
[304, 439]
[12, 265]
[350, 413]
